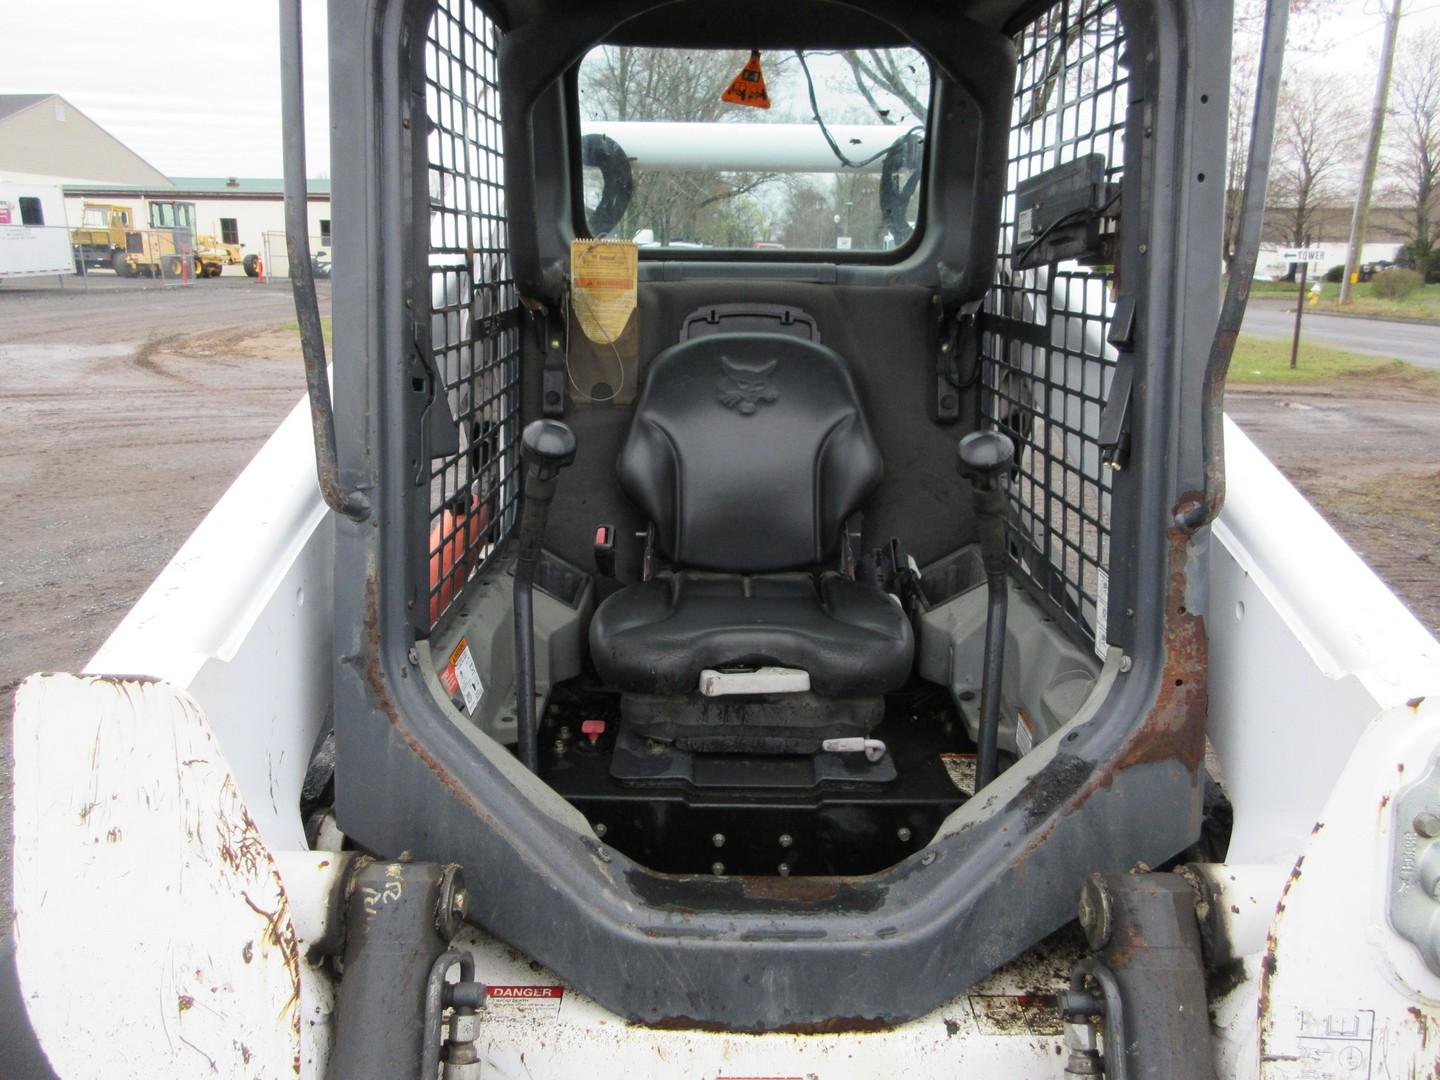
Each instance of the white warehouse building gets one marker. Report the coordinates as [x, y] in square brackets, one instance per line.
[47, 143]
[232, 209]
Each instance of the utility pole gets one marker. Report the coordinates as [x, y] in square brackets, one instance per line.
[1372, 151]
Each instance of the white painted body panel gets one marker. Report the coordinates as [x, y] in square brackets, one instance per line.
[1312, 664]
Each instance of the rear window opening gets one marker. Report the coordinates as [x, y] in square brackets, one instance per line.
[827, 156]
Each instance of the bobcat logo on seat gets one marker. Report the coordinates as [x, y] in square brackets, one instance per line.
[743, 388]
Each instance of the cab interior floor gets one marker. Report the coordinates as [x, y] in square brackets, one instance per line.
[833, 827]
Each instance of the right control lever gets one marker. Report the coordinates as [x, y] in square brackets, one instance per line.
[985, 460]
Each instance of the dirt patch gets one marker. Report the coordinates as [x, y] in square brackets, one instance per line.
[1366, 453]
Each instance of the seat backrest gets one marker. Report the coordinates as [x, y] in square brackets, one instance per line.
[748, 452]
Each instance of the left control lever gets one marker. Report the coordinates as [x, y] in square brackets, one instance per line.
[546, 447]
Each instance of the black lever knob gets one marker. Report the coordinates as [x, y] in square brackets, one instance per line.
[547, 447]
[986, 458]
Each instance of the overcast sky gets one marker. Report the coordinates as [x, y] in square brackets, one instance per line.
[193, 86]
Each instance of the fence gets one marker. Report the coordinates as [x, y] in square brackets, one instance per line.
[277, 256]
[63, 257]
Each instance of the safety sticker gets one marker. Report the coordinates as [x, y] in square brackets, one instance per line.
[961, 768]
[748, 88]
[527, 1002]
[1102, 613]
[460, 676]
[1024, 733]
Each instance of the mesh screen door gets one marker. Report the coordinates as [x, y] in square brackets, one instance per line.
[474, 307]
[1047, 366]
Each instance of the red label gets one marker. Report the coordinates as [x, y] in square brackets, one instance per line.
[447, 676]
[513, 992]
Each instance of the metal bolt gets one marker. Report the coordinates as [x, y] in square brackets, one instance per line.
[785, 840]
[1427, 824]
[927, 858]
[559, 746]
[717, 868]
[1143, 249]
[413, 656]
[1126, 663]
[718, 839]
[784, 869]
[903, 834]
[459, 900]
[554, 343]
[600, 829]
[564, 733]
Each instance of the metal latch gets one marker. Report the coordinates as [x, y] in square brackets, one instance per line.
[873, 749]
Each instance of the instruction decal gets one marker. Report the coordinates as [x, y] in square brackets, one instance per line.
[603, 275]
[748, 88]
[524, 1002]
[1102, 613]
[461, 676]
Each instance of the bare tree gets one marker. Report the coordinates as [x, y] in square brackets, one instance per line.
[1412, 157]
[1318, 133]
[620, 83]
[1237, 141]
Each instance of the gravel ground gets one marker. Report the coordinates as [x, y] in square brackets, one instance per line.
[1371, 465]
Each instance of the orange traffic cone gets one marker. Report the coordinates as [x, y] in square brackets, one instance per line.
[260, 269]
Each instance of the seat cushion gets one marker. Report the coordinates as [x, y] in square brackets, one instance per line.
[748, 452]
[656, 637]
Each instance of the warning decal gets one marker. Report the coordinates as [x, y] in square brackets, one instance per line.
[460, 675]
[748, 88]
[524, 1001]
[1102, 614]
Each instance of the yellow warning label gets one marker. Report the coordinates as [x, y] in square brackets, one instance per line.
[603, 275]
[748, 88]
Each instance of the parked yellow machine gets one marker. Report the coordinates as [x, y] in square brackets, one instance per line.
[109, 236]
[99, 241]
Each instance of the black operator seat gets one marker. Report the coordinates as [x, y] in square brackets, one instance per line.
[748, 452]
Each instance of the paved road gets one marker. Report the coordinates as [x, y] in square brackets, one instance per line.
[1418, 343]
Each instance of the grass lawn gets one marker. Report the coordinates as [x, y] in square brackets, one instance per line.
[1263, 360]
[1423, 303]
[326, 329]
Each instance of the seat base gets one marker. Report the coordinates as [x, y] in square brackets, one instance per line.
[638, 759]
[656, 637]
[749, 723]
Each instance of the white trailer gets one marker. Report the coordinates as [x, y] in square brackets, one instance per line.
[34, 232]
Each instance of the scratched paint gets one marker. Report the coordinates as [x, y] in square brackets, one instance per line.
[153, 932]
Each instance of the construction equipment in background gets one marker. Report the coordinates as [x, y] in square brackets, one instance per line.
[108, 238]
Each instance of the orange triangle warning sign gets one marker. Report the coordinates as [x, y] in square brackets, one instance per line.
[748, 88]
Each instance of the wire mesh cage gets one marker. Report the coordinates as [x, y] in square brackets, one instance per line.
[1046, 364]
[474, 306]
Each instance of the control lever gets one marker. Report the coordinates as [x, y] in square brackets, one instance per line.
[546, 447]
[985, 460]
